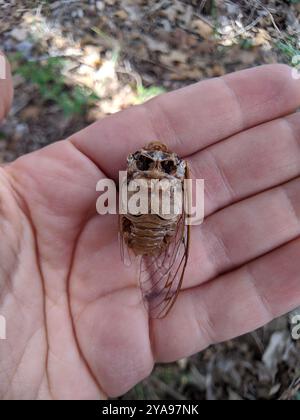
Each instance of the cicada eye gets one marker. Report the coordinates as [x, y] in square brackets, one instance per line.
[143, 163]
[168, 166]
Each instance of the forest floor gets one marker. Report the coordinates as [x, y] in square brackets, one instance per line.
[74, 62]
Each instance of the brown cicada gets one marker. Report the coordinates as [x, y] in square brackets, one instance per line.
[160, 238]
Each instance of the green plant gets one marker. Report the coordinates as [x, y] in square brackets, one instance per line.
[48, 77]
[246, 43]
[290, 51]
[146, 93]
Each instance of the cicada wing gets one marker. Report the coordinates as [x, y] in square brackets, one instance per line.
[161, 276]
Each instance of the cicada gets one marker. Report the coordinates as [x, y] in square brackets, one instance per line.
[160, 239]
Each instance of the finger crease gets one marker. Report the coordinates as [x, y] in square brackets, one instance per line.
[292, 131]
[222, 176]
[206, 328]
[234, 96]
[265, 304]
[290, 203]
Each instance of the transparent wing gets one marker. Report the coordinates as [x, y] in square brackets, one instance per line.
[161, 276]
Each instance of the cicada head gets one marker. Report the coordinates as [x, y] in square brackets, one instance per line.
[156, 161]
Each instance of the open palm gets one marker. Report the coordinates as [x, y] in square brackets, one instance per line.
[76, 325]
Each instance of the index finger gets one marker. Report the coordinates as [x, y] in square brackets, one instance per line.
[192, 118]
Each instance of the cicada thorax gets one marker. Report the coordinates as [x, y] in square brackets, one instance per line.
[157, 233]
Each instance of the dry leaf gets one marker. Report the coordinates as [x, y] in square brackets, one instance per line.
[202, 28]
[30, 113]
[248, 57]
[155, 45]
[186, 73]
[262, 37]
[91, 56]
[218, 70]
[121, 14]
[174, 57]
[19, 34]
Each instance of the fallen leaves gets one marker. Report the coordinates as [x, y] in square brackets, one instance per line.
[157, 45]
[203, 29]
[19, 34]
[173, 58]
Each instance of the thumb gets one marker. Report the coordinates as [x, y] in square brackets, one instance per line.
[6, 86]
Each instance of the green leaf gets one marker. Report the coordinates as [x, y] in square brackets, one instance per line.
[48, 77]
[146, 93]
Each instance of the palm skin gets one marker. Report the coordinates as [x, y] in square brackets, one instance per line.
[76, 325]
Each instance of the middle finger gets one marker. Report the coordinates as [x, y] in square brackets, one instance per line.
[243, 232]
[249, 162]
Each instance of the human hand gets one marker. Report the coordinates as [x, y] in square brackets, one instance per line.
[76, 325]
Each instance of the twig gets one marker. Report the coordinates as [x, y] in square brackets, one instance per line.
[270, 15]
[246, 28]
[201, 17]
[292, 391]
[202, 5]
[258, 342]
